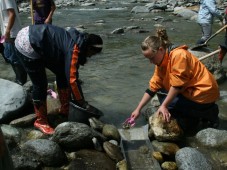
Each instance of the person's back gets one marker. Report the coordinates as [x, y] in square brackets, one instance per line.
[50, 41]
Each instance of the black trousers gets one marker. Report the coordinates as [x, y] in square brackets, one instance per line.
[36, 69]
[182, 107]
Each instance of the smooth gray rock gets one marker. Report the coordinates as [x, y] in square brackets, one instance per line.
[73, 136]
[12, 100]
[191, 159]
[45, 151]
[212, 137]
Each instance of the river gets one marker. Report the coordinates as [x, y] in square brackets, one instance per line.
[115, 80]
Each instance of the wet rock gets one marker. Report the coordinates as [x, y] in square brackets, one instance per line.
[118, 31]
[91, 159]
[169, 166]
[6, 162]
[88, 4]
[185, 13]
[97, 145]
[25, 121]
[73, 136]
[190, 158]
[35, 134]
[25, 162]
[45, 151]
[12, 102]
[122, 165]
[111, 132]
[164, 131]
[214, 66]
[101, 138]
[166, 148]
[212, 138]
[96, 124]
[158, 156]
[12, 135]
[220, 158]
[114, 142]
[113, 151]
[131, 28]
[140, 9]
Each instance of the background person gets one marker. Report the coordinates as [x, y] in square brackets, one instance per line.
[44, 10]
[207, 11]
[10, 25]
[191, 90]
[61, 51]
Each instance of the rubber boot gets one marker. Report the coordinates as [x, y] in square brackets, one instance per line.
[64, 97]
[21, 74]
[41, 122]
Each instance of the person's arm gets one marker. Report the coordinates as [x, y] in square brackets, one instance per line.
[145, 99]
[163, 109]
[49, 18]
[12, 15]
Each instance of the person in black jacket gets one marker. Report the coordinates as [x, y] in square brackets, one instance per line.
[61, 51]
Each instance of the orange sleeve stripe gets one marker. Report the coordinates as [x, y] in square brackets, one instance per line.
[73, 70]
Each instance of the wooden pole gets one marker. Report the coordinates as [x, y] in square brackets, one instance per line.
[210, 54]
[32, 14]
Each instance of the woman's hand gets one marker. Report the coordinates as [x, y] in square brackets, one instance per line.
[135, 114]
[165, 113]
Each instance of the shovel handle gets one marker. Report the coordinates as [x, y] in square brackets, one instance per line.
[208, 55]
[218, 31]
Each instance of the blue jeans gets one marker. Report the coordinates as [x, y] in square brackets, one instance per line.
[10, 53]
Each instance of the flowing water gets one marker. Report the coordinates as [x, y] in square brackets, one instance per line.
[115, 80]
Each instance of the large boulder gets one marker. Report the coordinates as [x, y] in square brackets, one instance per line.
[73, 136]
[45, 151]
[164, 131]
[13, 99]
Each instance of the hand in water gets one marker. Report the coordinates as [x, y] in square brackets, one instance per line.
[130, 122]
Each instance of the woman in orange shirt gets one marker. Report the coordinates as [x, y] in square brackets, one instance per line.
[185, 88]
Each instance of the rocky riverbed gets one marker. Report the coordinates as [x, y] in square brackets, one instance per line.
[90, 146]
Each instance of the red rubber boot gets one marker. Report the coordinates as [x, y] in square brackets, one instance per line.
[41, 122]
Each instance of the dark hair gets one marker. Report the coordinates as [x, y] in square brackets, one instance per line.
[94, 42]
[154, 42]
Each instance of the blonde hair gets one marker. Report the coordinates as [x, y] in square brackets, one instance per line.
[154, 42]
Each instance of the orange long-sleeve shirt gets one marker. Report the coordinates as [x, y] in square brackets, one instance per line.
[180, 68]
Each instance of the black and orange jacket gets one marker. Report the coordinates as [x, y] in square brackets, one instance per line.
[58, 47]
